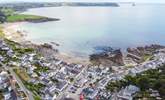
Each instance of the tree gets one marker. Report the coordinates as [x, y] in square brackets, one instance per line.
[130, 80]
[2, 17]
[143, 83]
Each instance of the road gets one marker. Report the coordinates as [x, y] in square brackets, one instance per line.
[65, 92]
[23, 88]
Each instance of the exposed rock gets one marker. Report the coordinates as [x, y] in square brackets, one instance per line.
[140, 51]
[138, 54]
[45, 49]
[56, 44]
[40, 20]
[46, 45]
[113, 57]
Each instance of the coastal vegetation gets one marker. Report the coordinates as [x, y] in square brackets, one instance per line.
[22, 17]
[8, 11]
[18, 49]
[10, 15]
[151, 79]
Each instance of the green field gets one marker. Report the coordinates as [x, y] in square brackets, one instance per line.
[9, 15]
[22, 17]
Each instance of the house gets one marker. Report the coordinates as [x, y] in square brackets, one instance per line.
[98, 71]
[61, 76]
[1, 58]
[47, 97]
[90, 93]
[33, 80]
[58, 62]
[7, 96]
[10, 53]
[103, 82]
[64, 70]
[52, 89]
[154, 93]
[129, 62]
[128, 92]
[72, 89]
[61, 85]
[80, 82]
[34, 75]
[5, 48]
[45, 81]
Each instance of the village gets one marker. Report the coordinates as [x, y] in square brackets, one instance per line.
[32, 76]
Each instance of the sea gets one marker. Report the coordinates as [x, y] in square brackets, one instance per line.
[82, 29]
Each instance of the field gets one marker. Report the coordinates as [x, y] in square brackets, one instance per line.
[22, 17]
[22, 74]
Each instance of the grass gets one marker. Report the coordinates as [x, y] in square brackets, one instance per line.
[22, 17]
[35, 89]
[32, 87]
[16, 47]
[11, 43]
[41, 68]
[129, 65]
[13, 16]
[37, 98]
[1, 96]
[147, 57]
[2, 35]
[22, 74]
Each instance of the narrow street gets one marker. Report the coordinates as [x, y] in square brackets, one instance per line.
[23, 88]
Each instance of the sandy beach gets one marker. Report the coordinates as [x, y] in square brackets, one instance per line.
[13, 32]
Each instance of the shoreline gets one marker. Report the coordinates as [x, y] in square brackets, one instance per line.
[12, 32]
[48, 50]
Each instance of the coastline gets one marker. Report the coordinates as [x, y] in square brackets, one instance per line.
[14, 33]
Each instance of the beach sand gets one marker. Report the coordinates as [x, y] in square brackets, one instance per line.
[13, 32]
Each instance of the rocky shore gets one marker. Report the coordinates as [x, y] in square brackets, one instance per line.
[40, 20]
[115, 57]
[140, 54]
[108, 56]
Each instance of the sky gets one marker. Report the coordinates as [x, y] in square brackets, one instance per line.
[144, 1]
